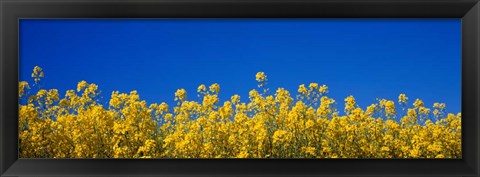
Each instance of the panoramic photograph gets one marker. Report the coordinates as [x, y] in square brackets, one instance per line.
[240, 88]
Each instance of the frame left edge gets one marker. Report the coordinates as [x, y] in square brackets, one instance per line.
[8, 143]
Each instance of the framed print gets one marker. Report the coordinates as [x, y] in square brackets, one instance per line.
[232, 115]
[239, 88]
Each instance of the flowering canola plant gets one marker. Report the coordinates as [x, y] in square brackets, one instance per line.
[267, 126]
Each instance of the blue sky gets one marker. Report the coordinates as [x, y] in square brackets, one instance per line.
[367, 58]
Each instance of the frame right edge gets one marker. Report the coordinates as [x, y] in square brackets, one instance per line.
[470, 87]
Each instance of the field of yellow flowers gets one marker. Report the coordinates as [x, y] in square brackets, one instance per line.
[268, 126]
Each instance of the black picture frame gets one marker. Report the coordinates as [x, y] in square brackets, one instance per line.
[13, 10]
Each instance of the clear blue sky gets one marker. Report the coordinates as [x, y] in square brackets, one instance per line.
[367, 58]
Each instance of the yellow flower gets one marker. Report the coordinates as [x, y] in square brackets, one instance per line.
[309, 124]
[323, 89]
[371, 109]
[310, 151]
[418, 103]
[81, 85]
[350, 104]
[37, 74]
[180, 94]
[436, 113]
[423, 110]
[265, 126]
[21, 88]
[313, 86]
[389, 108]
[201, 88]
[282, 136]
[385, 149]
[260, 77]
[402, 98]
[215, 88]
[235, 99]
[302, 89]
[440, 106]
